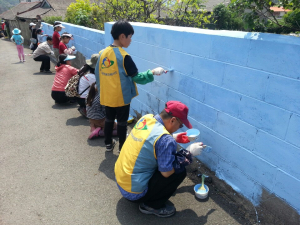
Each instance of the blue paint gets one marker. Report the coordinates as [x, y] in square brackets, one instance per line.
[242, 90]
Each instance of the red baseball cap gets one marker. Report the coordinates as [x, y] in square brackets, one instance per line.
[179, 110]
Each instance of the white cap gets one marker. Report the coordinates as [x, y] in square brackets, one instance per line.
[32, 24]
[59, 25]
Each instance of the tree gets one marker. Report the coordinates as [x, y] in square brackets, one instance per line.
[258, 12]
[134, 10]
[84, 13]
[188, 13]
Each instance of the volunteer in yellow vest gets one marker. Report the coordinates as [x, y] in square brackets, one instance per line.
[116, 75]
[149, 169]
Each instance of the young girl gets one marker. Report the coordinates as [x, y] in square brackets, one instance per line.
[56, 38]
[18, 40]
[85, 82]
[96, 113]
[64, 71]
[65, 39]
[40, 36]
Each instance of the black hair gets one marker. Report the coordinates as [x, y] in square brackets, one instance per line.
[121, 27]
[38, 31]
[84, 69]
[61, 59]
[49, 38]
[164, 115]
[92, 94]
[56, 23]
[62, 37]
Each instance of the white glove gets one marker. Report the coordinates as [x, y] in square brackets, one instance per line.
[73, 48]
[158, 71]
[196, 148]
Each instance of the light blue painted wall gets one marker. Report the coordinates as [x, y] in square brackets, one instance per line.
[86, 40]
[242, 90]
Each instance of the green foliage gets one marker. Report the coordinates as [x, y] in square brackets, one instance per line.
[188, 13]
[226, 19]
[52, 19]
[84, 13]
[292, 18]
[258, 16]
[183, 13]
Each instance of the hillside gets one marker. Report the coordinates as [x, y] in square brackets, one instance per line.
[6, 4]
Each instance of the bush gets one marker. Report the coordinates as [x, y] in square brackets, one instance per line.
[292, 19]
[226, 19]
[52, 19]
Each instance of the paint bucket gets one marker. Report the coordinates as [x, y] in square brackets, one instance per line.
[192, 134]
[201, 195]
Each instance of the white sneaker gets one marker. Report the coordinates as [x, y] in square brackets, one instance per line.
[111, 146]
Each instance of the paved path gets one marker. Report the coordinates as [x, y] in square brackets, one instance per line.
[51, 174]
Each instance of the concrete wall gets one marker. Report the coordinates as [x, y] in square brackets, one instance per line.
[242, 90]
[86, 40]
[24, 27]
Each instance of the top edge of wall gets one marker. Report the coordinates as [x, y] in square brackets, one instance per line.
[79, 26]
[287, 39]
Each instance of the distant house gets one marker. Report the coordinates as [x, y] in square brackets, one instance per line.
[279, 11]
[26, 11]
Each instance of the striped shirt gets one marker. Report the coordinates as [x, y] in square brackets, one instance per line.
[96, 111]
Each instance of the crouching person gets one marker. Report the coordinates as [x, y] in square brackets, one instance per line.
[151, 177]
[42, 53]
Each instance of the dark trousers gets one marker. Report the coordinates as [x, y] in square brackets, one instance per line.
[81, 102]
[59, 96]
[121, 113]
[160, 189]
[45, 62]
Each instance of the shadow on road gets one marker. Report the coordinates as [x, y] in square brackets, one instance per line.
[78, 121]
[64, 106]
[42, 73]
[108, 164]
[17, 62]
[128, 213]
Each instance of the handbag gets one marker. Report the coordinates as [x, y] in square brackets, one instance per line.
[31, 46]
[71, 88]
[33, 40]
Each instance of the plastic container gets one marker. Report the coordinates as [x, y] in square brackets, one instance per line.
[199, 194]
[192, 134]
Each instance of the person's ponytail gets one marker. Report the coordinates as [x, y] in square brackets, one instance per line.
[83, 70]
[92, 94]
[61, 60]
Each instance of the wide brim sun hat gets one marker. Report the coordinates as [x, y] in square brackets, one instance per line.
[16, 31]
[70, 57]
[93, 61]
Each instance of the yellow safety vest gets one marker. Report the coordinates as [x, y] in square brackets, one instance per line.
[137, 160]
[116, 87]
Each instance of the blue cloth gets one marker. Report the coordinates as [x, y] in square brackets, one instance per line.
[167, 159]
[18, 39]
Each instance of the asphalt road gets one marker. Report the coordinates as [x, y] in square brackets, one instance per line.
[50, 173]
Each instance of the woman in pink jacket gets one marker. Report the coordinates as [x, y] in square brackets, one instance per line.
[64, 71]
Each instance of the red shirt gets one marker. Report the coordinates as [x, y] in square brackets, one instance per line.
[55, 39]
[62, 48]
[3, 24]
[62, 76]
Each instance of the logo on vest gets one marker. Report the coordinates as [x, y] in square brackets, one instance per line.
[141, 125]
[106, 63]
